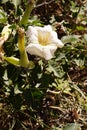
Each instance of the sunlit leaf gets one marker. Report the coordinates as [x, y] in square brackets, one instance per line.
[72, 126]
[79, 62]
[52, 69]
[12, 60]
[85, 37]
[5, 78]
[56, 128]
[17, 91]
[4, 1]
[70, 38]
[60, 56]
[80, 28]
[3, 18]
[79, 90]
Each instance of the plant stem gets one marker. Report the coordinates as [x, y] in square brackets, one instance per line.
[28, 10]
[24, 62]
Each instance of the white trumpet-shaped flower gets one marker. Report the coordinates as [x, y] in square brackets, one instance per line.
[42, 41]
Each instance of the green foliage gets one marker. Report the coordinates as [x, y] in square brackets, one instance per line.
[15, 2]
[72, 126]
[3, 17]
[52, 94]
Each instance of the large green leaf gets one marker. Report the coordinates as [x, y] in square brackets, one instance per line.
[70, 38]
[72, 126]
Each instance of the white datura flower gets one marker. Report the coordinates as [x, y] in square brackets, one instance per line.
[42, 41]
[6, 32]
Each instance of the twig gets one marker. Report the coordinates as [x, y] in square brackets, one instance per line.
[56, 108]
[52, 92]
[84, 2]
[44, 3]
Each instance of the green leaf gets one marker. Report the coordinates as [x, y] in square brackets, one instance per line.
[5, 78]
[16, 90]
[52, 69]
[31, 65]
[60, 56]
[85, 37]
[79, 62]
[56, 128]
[72, 126]
[79, 90]
[80, 28]
[70, 39]
[12, 60]
[3, 18]
[4, 1]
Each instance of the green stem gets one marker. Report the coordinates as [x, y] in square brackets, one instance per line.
[28, 10]
[24, 62]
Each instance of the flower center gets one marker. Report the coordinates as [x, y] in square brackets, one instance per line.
[43, 38]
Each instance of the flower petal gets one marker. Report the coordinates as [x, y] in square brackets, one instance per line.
[48, 52]
[54, 39]
[46, 28]
[43, 41]
[42, 51]
[35, 49]
[32, 35]
[59, 43]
